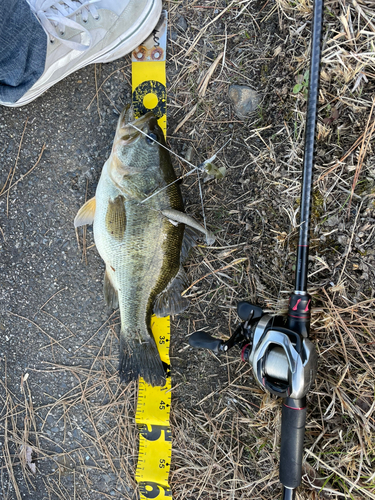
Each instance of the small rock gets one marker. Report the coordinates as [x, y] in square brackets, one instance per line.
[333, 221]
[211, 56]
[181, 23]
[244, 99]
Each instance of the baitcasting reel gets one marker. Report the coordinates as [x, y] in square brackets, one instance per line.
[283, 361]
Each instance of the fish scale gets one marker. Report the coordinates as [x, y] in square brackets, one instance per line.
[144, 232]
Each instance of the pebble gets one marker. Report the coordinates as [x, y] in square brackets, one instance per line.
[181, 23]
[211, 55]
[245, 100]
[333, 221]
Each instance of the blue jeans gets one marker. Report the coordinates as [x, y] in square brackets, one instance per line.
[23, 48]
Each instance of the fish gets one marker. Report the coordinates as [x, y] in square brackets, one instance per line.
[144, 236]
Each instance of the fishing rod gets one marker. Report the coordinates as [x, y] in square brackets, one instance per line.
[283, 359]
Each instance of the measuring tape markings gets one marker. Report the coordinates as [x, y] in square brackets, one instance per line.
[150, 94]
[147, 93]
[153, 406]
[152, 418]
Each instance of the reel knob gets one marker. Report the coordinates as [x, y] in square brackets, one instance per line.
[246, 311]
[204, 340]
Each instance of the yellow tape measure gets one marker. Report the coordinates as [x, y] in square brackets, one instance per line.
[152, 417]
[153, 407]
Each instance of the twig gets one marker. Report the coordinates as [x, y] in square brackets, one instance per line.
[354, 146]
[8, 461]
[15, 165]
[362, 152]
[186, 118]
[108, 77]
[335, 471]
[97, 93]
[53, 341]
[52, 296]
[27, 173]
[237, 261]
[204, 83]
[203, 30]
[350, 242]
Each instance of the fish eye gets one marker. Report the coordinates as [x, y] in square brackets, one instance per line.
[151, 138]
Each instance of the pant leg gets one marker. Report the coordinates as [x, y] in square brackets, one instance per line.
[23, 47]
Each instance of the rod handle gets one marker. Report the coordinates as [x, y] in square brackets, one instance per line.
[292, 435]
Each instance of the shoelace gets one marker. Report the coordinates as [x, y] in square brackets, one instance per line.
[60, 14]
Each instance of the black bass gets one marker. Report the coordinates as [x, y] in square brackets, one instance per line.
[143, 235]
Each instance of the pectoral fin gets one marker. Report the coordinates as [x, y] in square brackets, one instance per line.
[169, 301]
[86, 213]
[176, 216]
[115, 219]
[110, 292]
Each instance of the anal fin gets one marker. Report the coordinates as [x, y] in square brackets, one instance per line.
[170, 301]
[110, 293]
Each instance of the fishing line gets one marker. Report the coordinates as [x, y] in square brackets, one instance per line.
[199, 167]
[202, 203]
[162, 145]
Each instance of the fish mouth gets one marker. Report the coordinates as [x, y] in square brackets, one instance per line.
[130, 129]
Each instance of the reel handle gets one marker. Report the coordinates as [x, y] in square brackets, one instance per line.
[204, 340]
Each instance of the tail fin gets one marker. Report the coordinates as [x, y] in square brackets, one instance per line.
[140, 360]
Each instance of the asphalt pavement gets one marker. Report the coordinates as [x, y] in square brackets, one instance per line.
[51, 300]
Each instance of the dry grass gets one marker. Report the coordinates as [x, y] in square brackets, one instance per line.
[225, 429]
[102, 442]
[226, 448]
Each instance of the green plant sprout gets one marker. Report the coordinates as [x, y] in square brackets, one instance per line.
[302, 84]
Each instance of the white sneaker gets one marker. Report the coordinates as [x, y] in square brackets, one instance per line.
[82, 32]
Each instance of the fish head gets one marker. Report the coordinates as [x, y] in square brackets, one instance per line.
[138, 159]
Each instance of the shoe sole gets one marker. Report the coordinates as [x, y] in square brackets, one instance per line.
[115, 51]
